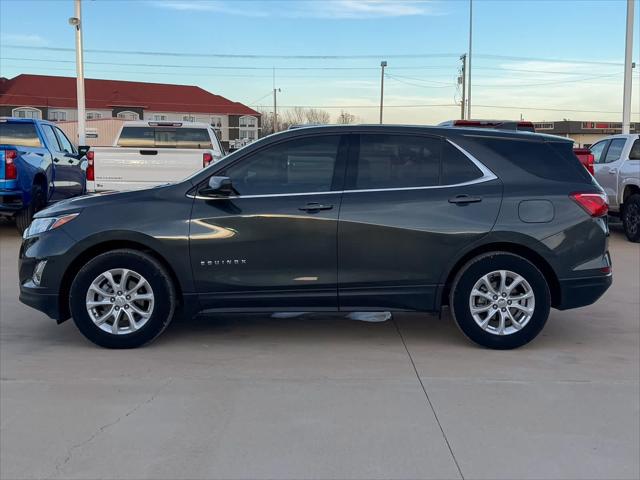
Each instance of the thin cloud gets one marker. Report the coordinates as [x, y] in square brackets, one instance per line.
[30, 40]
[329, 9]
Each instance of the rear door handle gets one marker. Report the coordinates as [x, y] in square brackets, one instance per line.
[464, 199]
[315, 207]
[612, 171]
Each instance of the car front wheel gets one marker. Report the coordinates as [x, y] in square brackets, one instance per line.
[122, 299]
[500, 300]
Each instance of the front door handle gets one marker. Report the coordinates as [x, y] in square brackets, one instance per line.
[612, 171]
[464, 199]
[315, 207]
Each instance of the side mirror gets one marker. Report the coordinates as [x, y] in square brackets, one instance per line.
[82, 150]
[217, 187]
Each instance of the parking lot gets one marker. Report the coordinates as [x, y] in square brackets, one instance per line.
[244, 397]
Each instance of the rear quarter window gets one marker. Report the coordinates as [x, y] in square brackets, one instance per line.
[20, 134]
[552, 160]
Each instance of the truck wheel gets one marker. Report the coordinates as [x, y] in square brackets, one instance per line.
[24, 216]
[631, 218]
[122, 299]
[500, 300]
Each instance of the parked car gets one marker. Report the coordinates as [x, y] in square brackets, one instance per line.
[500, 227]
[38, 165]
[518, 125]
[147, 154]
[617, 170]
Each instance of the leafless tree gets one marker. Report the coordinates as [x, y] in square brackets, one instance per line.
[266, 121]
[346, 118]
[304, 116]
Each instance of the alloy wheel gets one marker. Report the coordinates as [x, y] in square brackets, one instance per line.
[502, 302]
[120, 301]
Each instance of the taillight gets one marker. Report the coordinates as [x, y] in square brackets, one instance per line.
[595, 204]
[590, 162]
[10, 169]
[207, 158]
[91, 174]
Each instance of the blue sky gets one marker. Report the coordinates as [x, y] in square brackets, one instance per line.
[544, 60]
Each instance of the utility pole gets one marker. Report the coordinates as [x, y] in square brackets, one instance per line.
[76, 22]
[469, 61]
[462, 81]
[628, 70]
[383, 64]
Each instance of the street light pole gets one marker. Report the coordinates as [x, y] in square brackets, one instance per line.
[383, 64]
[628, 70]
[462, 81]
[76, 22]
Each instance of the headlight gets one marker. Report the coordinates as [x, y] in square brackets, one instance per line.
[40, 225]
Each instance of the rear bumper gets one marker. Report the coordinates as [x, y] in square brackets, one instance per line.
[580, 292]
[11, 201]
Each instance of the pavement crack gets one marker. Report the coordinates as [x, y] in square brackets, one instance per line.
[61, 464]
[415, 369]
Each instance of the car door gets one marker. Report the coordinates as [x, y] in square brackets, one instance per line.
[411, 204]
[272, 244]
[65, 165]
[74, 166]
[607, 167]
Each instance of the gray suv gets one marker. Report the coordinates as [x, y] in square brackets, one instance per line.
[500, 226]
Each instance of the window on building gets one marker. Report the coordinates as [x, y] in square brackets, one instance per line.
[57, 115]
[216, 122]
[248, 122]
[188, 118]
[296, 166]
[128, 115]
[93, 115]
[248, 134]
[27, 112]
[159, 117]
[397, 161]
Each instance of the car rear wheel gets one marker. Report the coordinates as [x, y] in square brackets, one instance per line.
[500, 300]
[122, 299]
[631, 218]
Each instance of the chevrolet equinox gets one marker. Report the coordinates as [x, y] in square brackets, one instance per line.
[500, 226]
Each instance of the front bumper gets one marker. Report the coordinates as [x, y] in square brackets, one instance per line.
[48, 303]
[580, 292]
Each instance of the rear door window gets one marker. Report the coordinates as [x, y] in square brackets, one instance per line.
[397, 161]
[19, 134]
[634, 154]
[52, 140]
[615, 150]
[456, 167]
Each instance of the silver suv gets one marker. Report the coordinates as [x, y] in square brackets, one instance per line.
[617, 170]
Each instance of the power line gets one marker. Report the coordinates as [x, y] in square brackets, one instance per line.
[311, 57]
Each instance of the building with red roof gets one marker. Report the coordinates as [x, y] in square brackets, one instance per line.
[54, 98]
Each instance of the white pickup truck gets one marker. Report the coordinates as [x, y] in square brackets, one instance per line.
[617, 170]
[146, 154]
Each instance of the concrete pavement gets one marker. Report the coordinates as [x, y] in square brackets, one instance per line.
[322, 397]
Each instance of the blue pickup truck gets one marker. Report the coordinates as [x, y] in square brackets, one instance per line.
[38, 165]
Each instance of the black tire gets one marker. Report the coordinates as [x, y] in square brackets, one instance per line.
[631, 218]
[142, 264]
[24, 216]
[473, 271]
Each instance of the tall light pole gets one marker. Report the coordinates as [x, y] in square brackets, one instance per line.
[469, 59]
[383, 64]
[275, 110]
[76, 22]
[462, 81]
[628, 70]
